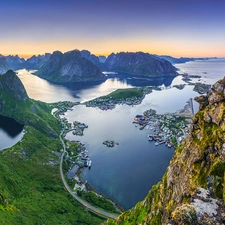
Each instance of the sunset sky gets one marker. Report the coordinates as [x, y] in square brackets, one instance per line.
[165, 27]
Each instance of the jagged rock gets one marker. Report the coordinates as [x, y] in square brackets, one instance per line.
[207, 118]
[185, 214]
[219, 86]
[223, 149]
[208, 208]
[202, 100]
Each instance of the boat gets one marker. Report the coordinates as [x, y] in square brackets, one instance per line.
[88, 163]
[147, 126]
[169, 144]
[156, 143]
[150, 138]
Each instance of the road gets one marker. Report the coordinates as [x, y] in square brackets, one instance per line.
[85, 204]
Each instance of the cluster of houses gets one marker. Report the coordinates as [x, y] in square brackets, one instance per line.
[78, 128]
[168, 129]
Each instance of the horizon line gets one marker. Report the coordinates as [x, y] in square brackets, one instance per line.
[29, 55]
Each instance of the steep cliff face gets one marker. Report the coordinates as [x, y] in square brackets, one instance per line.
[139, 63]
[192, 190]
[69, 67]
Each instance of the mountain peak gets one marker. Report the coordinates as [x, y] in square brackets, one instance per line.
[69, 67]
[12, 86]
[139, 63]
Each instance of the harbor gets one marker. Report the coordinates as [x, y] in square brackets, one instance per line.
[168, 129]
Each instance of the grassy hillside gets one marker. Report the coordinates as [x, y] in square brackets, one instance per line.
[124, 93]
[31, 190]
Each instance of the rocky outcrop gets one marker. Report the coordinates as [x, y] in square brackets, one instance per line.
[12, 86]
[69, 67]
[139, 64]
[192, 191]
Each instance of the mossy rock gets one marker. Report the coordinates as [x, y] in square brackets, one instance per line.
[185, 215]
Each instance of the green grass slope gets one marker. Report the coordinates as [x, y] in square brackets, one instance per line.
[31, 190]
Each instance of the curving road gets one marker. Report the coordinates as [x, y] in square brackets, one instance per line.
[85, 204]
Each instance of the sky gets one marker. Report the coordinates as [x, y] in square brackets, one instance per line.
[191, 28]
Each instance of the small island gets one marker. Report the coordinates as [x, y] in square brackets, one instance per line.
[202, 88]
[128, 96]
[110, 144]
[179, 86]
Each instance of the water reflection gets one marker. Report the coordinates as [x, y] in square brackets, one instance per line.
[10, 132]
[142, 80]
[46, 91]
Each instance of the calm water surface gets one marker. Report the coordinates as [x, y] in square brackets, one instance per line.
[127, 171]
[10, 132]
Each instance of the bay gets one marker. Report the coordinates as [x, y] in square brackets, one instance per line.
[126, 172]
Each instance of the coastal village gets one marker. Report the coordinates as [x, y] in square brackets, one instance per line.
[168, 129]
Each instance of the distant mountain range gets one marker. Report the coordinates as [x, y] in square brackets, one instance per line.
[81, 66]
[3, 64]
[139, 63]
[183, 59]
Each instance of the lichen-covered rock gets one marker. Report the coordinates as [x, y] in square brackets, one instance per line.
[202, 100]
[195, 179]
[185, 215]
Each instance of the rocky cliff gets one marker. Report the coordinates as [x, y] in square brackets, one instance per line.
[192, 190]
[69, 67]
[139, 63]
